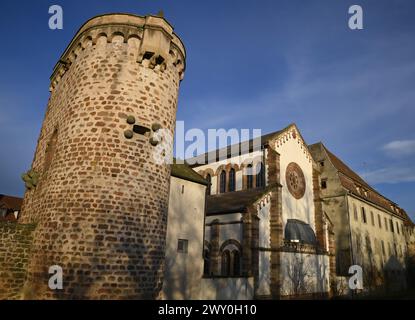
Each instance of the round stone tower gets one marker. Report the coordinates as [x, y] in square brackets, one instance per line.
[94, 190]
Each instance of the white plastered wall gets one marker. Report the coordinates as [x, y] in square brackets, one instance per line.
[183, 272]
[293, 150]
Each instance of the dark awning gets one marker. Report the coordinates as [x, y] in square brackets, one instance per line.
[297, 230]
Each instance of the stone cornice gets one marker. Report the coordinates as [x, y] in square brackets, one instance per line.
[166, 44]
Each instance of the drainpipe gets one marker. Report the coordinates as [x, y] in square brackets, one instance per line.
[350, 230]
[350, 227]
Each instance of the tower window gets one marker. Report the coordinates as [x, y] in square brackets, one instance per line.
[182, 245]
[260, 178]
[232, 180]
[249, 178]
[209, 186]
[321, 163]
[226, 263]
[324, 184]
[223, 181]
[206, 259]
[236, 263]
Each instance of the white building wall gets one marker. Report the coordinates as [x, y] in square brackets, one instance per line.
[239, 179]
[303, 273]
[264, 279]
[239, 160]
[183, 272]
[228, 228]
[376, 234]
[227, 288]
[230, 231]
[293, 150]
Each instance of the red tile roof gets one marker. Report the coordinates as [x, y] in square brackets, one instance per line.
[355, 184]
[10, 203]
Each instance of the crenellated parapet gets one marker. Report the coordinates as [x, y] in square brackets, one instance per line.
[151, 38]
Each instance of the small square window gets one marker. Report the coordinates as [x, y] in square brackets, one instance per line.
[182, 245]
[321, 163]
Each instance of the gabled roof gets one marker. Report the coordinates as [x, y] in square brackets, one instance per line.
[408, 222]
[241, 147]
[183, 171]
[10, 203]
[356, 185]
[343, 168]
[233, 202]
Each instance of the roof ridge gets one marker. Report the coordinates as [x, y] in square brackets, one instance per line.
[184, 171]
[354, 175]
[264, 139]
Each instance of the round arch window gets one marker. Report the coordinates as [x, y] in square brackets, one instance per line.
[295, 180]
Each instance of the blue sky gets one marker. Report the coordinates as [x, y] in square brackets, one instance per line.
[251, 64]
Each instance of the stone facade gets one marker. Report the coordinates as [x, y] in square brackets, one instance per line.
[289, 193]
[97, 202]
[101, 200]
[15, 245]
[369, 229]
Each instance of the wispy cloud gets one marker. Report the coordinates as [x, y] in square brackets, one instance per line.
[390, 175]
[400, 148]
[351, 97]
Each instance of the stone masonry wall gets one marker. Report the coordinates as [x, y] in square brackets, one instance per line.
[273, 164]
[101, 200]
[15, 244]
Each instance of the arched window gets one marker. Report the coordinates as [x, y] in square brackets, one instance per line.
[206, 259]
[260, 178]
[226, 263]
[236, 263]
[223, 181]
[232, 180]
[249, 178]
[209, 186]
